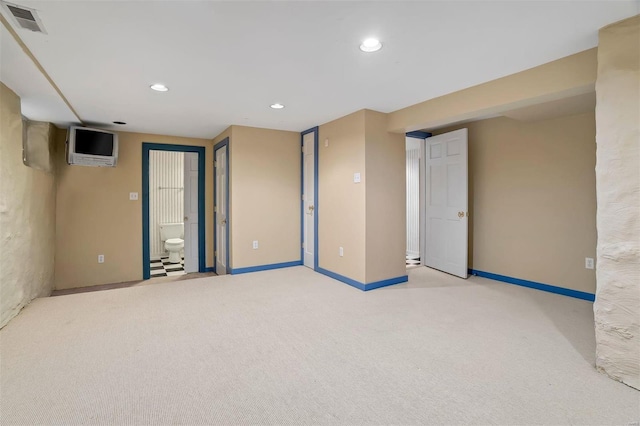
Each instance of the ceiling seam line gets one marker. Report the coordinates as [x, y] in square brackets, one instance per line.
[28, 52]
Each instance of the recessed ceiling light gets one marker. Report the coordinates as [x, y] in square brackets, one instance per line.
[371, 45]
[159, 87]
[277, 106]
[119, 122]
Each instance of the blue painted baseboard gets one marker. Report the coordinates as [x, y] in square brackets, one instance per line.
[362, 286]
[384, 283]
[210, 269]
[264, 267]
[538, 286]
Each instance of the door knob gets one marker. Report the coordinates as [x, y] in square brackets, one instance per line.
[460, 214]
[224, 222]
[186, 218]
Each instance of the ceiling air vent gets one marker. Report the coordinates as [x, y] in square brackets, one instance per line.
[25, 17]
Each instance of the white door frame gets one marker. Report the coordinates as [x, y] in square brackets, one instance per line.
[219, 215]
[309, 207]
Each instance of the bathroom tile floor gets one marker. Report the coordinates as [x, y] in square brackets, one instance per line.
[163, 268]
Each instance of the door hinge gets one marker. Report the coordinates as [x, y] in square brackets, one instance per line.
[302, 245]
[215, 209]
[215, 254]
[215, 164]
[302, 197]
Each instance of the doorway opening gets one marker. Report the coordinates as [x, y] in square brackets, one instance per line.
[437, 201]
[166, 213]
[415, 146]
[447, 200]
[221, 217]
[172, 210]
[309, 206]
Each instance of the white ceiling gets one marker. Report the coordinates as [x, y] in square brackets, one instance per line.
[226, 62]
[39, 100]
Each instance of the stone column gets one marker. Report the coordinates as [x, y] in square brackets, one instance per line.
[617, 305]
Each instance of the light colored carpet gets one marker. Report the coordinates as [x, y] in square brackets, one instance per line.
[294, 347]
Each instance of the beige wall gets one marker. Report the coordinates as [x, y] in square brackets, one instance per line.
[341, 202]
[27, 219]
[532, 199]
[264, 196]
[385, 158]
[617, 306]
[366, 219]
[95, 216]
[569, 76]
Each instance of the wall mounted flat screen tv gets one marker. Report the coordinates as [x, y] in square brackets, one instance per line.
[92, 147]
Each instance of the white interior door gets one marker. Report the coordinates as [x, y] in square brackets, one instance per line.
[447, 203]
[191, 251]
[308, 196]
[222, 179]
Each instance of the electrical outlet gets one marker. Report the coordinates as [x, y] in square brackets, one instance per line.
[255, 244]
[133, 196]
[101, 258]
[341, 251]
[356, 177]
[588, 263]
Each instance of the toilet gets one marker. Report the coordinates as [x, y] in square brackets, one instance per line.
[173, 236]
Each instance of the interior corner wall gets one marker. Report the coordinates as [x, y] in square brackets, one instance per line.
[95, 216]
[532, 199]
[341, 202]
[385, 206]
[264, 192]
[617, 304]
[27, 217]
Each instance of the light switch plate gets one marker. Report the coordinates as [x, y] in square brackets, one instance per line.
[356, 177]
[133, 196]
